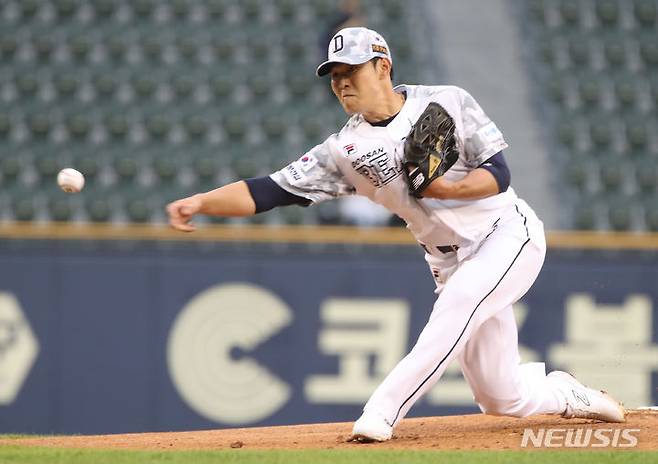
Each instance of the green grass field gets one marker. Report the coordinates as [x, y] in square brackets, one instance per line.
[32, 455]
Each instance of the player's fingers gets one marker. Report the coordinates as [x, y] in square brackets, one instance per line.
[183, 226]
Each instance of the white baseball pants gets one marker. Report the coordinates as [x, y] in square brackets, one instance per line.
[472, 321]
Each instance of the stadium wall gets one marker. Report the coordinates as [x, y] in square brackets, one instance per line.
[133, 334]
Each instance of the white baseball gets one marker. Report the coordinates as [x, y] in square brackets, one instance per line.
[70, 180]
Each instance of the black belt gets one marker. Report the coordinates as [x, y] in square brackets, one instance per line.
[443, 249]
[447, 248]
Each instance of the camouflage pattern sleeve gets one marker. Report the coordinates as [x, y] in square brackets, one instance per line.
[314, 176]
[482, 139]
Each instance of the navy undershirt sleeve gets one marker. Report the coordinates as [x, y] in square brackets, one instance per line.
[267, 194]
[497, 166]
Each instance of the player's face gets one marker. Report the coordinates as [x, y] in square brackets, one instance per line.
[354, 86]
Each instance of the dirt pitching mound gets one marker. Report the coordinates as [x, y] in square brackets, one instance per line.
[468, 432]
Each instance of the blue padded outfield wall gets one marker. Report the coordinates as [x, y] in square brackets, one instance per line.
[128, 338]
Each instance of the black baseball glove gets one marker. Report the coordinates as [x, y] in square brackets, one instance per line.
[430, 148]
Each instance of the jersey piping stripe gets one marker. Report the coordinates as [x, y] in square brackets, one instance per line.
[469, 319]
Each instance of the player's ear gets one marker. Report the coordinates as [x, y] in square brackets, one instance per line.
[383, 68]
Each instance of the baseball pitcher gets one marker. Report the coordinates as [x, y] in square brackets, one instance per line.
[433, 157]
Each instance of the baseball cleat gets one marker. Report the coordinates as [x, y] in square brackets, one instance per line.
[371, 426]
[587, 403]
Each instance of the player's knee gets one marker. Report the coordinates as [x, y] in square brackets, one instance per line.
[512, 407]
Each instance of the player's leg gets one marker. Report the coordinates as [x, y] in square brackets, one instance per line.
[501, 271]
[501, 385]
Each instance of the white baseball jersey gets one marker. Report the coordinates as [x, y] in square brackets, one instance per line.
[367, 160]
[472, 319]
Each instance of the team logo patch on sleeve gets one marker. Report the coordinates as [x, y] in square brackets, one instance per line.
[349, 149]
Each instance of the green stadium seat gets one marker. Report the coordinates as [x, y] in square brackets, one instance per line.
[273, 125]
[23, 206]
[8, 46]
[158, 126]
[615, 52]
[125, 168]
[143, 8]
[40, 125]
[188, 48]
[536, 10]
[65, 8]
[393, 9]
[116, 47]
[620, 216]
[646, 173]
[222, 86]
[116, 125]
[43, 46]
[584, 216]
[600, 132]
[294, 215]
[286, 9]
[206, 169]
[224, 48]
[295, 48]
[566, 132]
[80, 46]
[323, 8]
[216, 8]
[88, 164]
[556, 88]
[165, 168]
[570, 12]
[180, 9]
[651, 214]
[27, 85]
[59, 207]
[138, 209]
[105, 85]
[10, 167]
[47, 166]
[577, 172]
[260, 85]
[611, 175]
[299, 84]
[144, 86]
[104, 8]
[637, 134]
[251, 9]
[29, 8]
[151, 48]
[245, 163]
[67, 85]
[649, 50]
[589, 89]
[313, 128]
[580, 51]
[196, 127]
[645, 12]
[626, 92]
[184, 86]
[98, 205]
[78, 126]
[607, 12]
[235, 125]
[5, 125]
